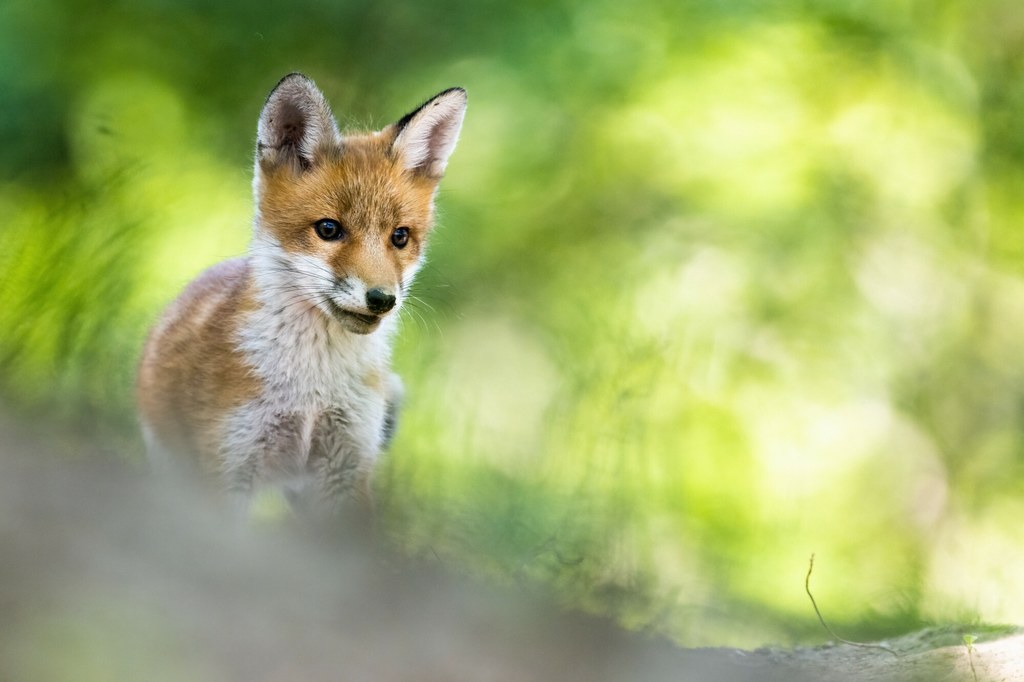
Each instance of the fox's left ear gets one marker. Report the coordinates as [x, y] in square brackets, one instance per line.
[426, 137]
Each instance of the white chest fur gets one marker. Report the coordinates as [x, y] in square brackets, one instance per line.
[314, 375]
[305, 359]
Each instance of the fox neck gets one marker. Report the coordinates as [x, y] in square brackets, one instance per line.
[294, 347]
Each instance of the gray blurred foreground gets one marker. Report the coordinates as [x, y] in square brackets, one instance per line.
[106, 576]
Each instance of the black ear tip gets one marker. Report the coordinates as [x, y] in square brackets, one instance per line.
[458, 92]
[294, 77]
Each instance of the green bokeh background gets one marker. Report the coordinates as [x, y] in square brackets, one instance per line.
[715, 285]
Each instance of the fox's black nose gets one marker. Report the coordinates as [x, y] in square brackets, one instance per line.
[379, 301]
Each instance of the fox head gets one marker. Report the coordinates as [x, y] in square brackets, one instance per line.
[342, 220]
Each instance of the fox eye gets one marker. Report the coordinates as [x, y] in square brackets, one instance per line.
[329, 230]
[400, 237]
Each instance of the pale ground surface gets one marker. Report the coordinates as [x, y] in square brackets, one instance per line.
[105, 576]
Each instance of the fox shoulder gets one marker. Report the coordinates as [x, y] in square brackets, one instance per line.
[190, 370]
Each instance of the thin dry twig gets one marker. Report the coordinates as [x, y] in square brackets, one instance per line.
[862, 645]
[969, 643]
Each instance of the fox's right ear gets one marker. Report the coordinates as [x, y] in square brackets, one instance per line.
[295, 125]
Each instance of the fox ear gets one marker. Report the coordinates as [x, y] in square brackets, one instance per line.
[295, 124]
[426, 137]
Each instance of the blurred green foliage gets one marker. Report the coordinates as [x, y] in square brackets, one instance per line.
[715, 285]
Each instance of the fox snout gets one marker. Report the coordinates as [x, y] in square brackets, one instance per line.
[359, 307]
[379, 301]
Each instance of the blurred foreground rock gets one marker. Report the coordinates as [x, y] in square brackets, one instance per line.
[106, 576]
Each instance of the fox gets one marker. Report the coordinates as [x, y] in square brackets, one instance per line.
[273, 369]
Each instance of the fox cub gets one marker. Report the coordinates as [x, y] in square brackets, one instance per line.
[274, 368]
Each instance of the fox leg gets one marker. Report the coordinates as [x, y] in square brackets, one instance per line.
[396, 393]
[260, 448]
[341, 465]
